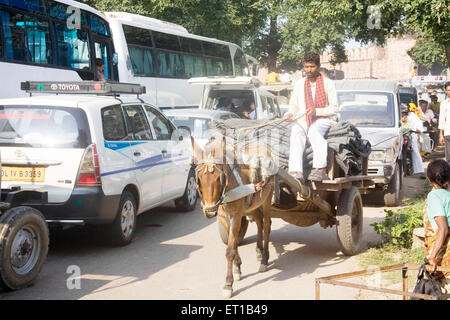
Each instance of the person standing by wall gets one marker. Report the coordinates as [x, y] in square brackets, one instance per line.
[444, 122]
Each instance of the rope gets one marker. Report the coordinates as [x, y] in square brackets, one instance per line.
[273, 122]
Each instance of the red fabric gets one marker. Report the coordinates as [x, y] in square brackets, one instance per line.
[320, 99]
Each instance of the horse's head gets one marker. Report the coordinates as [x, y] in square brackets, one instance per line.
[212, 178]
[211, 184]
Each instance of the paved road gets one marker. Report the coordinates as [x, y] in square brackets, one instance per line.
[180, 256]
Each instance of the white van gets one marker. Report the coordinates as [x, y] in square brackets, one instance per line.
[240, 91]
[102, 159]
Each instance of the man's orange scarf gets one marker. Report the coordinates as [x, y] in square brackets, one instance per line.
[320, 99]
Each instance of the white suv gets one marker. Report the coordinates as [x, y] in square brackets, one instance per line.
[102, 159]
[240, 91]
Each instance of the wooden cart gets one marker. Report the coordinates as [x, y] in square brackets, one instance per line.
[336, 201]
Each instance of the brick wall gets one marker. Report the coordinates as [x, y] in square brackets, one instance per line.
[388, 62]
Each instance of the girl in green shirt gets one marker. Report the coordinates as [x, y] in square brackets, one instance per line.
[437, 217]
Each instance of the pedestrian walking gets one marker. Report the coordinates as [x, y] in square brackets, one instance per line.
[444, 122]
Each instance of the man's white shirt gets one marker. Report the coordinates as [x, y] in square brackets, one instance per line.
[297, 103]
[444, 117]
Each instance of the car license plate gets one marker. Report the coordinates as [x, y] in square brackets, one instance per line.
[26, 174]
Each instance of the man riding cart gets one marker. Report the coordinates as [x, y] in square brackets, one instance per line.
[313, 96]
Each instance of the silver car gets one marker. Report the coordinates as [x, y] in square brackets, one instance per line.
[198, 120]
[373, 107]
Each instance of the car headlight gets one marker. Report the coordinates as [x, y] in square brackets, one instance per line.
[390, 155]
[377, 155]
[386, 155]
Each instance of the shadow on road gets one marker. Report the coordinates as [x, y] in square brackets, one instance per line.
[104, 266]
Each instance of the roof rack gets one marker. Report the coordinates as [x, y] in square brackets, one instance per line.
[106, 88]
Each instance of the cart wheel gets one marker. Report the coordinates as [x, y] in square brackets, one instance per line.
[223, 224]
[23, 246]
[349, 221]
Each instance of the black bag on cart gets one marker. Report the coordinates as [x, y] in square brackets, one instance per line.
[426, 284]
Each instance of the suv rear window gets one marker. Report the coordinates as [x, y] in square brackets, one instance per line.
[43, 127]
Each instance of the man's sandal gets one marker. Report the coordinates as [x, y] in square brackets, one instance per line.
[298, 176]
[317, 175]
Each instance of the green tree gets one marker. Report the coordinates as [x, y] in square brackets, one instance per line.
[316, 25]
[265, 44]
[325, 25]
[427, 52]
[431, 19]
[230, 20]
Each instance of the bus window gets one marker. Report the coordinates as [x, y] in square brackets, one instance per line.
[199, 67]
[170, 64]
[142, 61]
[28, 5]
[166, 41]
[192, 46]
[193, 66]
[189, 66]
[26, 39]
[141, 55]
[72, 47]
[209, 67]
[99, 26]
[2, 46]
[137, 36]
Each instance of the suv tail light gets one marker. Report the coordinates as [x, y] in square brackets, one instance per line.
[89, 172]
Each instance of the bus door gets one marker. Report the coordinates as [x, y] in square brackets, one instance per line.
[103, 51]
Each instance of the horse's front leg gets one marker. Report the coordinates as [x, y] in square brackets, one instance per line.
[231, 253]
[267, 223]
[259, 239]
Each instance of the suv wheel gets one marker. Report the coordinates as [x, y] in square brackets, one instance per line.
[189, 199]
[122, 230]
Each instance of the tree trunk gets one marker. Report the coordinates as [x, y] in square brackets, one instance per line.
[447, 53]
[273, 45]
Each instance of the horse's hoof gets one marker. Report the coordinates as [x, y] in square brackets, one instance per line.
[263, 268]
[227, 293]
[236, 276]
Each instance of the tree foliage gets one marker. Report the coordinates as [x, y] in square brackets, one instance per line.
[230, 20]
[427, 52]
[281, 31]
